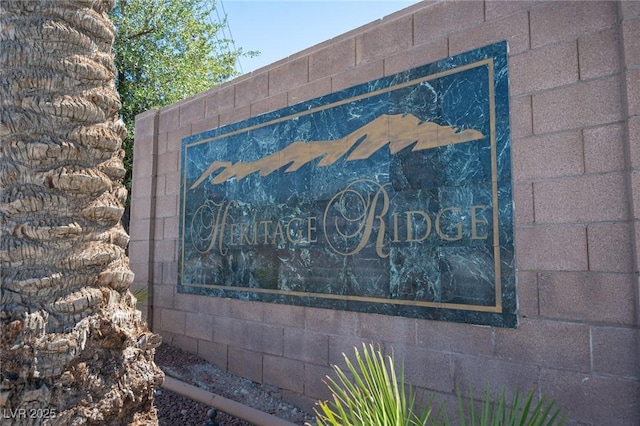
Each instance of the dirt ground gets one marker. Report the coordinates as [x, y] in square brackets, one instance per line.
[174, 409]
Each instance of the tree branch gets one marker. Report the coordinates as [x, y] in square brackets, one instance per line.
[142, 33]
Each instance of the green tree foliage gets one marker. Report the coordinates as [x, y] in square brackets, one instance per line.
[165, 51]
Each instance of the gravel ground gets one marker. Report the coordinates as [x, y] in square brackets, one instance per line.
[174, 409]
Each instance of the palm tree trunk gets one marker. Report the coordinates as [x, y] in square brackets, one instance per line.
[73, 347]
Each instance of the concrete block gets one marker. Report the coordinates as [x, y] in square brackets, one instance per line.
[545, 68]
[521, 117]
[341, 323]
[169, 273]
[598, 54]
[141, 186]
[361, 74]
[215, 306]
[546, 343]
[446, 18]
[423, 368]
[339, 346]
[246, 310]
[384, 39]
[250, 90]
[333, 59]
[475, 373]
[272, 103]
[548, 156]
[634, 141]
[284, 315]
[594, 400]
[631, 38]
[246, 364]
[145, 125]
[550, 22]
[610, 247]
[184, 342]
[237, 114]
[186, 302]
[528, 295]
[141, 271]
[215, 353]
[523, 203]
[161, 144]
[580, 105]
[587, 296]
[168, 163]
[140, 209]
[172, 320]
[143, 166]
[139, 251]
[249, 335]
[416, 56]
[228, 331]
[306, 346]
[263, 338]
[284, 373]
[163, 296]
[453, 337]
[604, 149]
[551, 248]
[514, 29]
[169, 119]
[205, 124]
[588, 198]
[219, 100]
[192, 110]
[387, 329]
[629, 9]
[143, 147]
[174, 139]
[633, 92]
[291, 74]
[497, 9]
[615, 351]
[309, 91]
[314, 378]
[171, 228]
[199, 326]
[165, 250]
[167, 206]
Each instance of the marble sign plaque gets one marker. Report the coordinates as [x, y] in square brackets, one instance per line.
[390, 197]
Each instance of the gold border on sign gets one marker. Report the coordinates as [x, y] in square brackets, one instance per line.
[497, 308]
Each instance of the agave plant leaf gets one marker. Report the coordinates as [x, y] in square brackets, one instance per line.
[370, 392]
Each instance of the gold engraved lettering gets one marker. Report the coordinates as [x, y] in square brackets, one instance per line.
[266, 230]
[244, 234]
[410, 214]
[369, 212]
[298, 234]
[278, 234]
[441, 234]
[395, 228]
[205, 230]
[232, 233]
[474, 223]
[311, 229]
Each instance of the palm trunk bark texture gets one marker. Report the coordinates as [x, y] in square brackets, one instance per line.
[73, 349]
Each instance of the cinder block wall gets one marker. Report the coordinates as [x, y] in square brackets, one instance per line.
[575, 104]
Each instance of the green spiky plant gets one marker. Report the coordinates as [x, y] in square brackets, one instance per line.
[371, 394]
[519, 412]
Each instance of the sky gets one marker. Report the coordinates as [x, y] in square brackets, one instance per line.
[279, 28]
